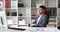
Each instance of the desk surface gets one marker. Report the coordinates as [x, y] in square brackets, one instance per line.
[32, 30]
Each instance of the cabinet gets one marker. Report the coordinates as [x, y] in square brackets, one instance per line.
[19, 10]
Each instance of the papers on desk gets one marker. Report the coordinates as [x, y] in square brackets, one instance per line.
[10, 21]
[22, 22]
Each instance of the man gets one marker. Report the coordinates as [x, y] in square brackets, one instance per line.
[42, 19]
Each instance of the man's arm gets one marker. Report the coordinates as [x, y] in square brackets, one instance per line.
[35, 20]
[33, 23]
[44, 22]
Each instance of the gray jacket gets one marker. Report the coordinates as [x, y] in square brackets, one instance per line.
[42, 22]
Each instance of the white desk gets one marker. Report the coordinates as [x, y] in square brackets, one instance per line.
[32, 30]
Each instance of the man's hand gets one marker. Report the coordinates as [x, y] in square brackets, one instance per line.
[33, 25]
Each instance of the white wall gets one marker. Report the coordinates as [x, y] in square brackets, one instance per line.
[38, 1]
[50, 3]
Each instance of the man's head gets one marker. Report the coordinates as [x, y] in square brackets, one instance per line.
[42, 9]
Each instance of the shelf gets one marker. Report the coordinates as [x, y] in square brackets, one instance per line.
[23, 16]
[11, 16]
[10, 10]
[20, 2]
[33, 16]
[7, 8]
[13, 0]
[52, 23]
[21, 7]
[33, 7]
[23, 25]
[52, 16]
[52, 7]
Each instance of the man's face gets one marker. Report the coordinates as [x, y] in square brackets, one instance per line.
[41, 10]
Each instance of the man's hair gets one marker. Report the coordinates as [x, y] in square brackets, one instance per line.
[43, 7]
